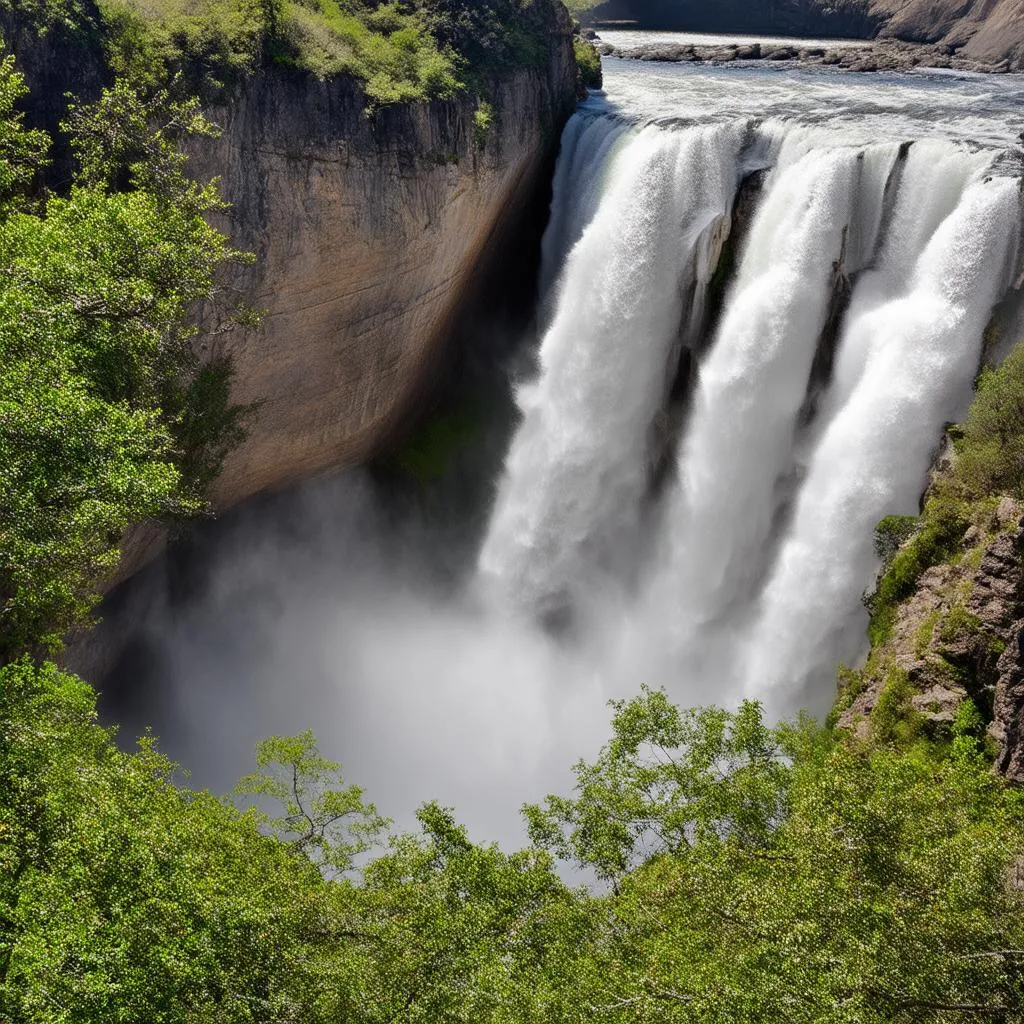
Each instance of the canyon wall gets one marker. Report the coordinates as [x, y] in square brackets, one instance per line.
[370, 233]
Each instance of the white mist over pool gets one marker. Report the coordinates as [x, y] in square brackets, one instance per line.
[722, 407]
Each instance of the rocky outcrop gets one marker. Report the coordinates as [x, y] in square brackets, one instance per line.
[981, 33]
[852, 18]
[1007, 727]
[959, 635]
[877, 55]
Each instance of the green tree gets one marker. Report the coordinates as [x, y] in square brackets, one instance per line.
[106, 416]
[124, 897]
[794, 875]
[325, 819]
[991, 446]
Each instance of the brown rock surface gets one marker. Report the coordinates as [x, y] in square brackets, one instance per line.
[1008, 711]
[368, 232]
[948, 637]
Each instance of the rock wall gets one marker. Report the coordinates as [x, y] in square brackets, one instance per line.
[960, 634]
[370, 233]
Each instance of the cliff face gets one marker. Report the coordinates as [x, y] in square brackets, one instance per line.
[370, 233]
[986, 30]
[983, 30]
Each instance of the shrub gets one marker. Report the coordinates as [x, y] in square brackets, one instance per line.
[390, 49]
[991, 450]
[892, 533]
[588, 61]
[483, 122]
[936, 535]
[106, 417]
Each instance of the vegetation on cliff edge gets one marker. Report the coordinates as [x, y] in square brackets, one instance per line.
[402, 50]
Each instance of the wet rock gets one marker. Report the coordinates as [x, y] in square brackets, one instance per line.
[782, 53]
[751, 51]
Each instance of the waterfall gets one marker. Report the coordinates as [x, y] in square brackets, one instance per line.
[569, 504]
[751, 387]
[849, 334]
[919, 353]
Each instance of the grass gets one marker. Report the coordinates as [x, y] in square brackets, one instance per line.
[391, 50]
[213, 43]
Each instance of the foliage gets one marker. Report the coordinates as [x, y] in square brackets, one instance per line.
[389, 47]
[639, 799]
[758, 873]
[490, 36]
[45, 15]
[330, 825]
[990, 452]
[22, 152]
[892, 533]
[935, 536]
[211, 43]
[790, 876]
[106, 418]
[588, 61]
[483, 122]
[893, 717]
[124, 897]
[402, 50]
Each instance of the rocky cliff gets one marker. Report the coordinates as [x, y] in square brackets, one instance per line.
[372, 230]
[959, 635]
[369, 233]
[989, 31]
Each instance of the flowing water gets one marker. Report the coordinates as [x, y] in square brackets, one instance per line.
[764, 292]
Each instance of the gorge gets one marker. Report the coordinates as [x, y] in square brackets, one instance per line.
[759, 308]
[399, 423]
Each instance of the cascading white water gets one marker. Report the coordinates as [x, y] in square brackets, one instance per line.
[765, 480]
[576, 191]
[920, 351]
[751, 387]
[765, 532]
[569, 505]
